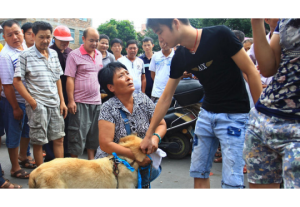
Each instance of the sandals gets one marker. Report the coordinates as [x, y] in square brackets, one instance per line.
[218, 160]
[218, 154]
[7, 185]
[20, 174]
[26, 164]
[245, 170]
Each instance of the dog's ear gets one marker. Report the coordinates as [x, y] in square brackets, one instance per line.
[133, 143]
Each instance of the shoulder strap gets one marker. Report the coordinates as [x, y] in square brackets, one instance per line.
[126, 122]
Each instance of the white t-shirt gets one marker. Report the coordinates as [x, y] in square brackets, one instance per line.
[136, 69]
[160, 64]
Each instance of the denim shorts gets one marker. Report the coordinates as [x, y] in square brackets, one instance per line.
[272, 150]
[229, 130]
[15, 129]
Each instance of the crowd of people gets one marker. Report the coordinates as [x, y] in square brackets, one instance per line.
[249, 118]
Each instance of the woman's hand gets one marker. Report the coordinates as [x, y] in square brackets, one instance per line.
[256, 21]
[145, 162]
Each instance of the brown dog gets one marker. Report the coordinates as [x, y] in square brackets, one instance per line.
[79, 173]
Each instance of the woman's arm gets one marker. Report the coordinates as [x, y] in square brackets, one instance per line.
[267, 55]
[106, 140]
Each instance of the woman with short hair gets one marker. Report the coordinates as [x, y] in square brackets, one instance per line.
[118, 83]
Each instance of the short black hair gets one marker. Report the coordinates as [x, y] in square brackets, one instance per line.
[26, 26]
[116, 40]
[129, 42]
[239, 34]
[153, 23]
[106, 75]
[104, 36]
[41, 25]
[248, 40]
[147, 39]
[9, 23]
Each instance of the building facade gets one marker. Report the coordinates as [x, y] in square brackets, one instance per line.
[76, 26]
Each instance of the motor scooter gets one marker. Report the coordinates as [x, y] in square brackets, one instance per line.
[181, 119]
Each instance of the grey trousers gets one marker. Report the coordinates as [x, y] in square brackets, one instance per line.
[83, 128]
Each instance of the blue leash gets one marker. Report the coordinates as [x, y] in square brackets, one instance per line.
[128, 131]
[124, 162]
[139, 174]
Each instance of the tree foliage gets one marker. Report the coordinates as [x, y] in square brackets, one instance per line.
[122, 29]
[243, 25]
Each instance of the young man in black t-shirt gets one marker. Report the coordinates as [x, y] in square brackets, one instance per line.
[217, 58]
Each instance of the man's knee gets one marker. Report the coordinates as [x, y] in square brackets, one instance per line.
[59, 141]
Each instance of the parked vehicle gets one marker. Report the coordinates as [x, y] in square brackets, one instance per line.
[181, 118]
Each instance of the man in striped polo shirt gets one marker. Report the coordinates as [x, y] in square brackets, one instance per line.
[13, 111]
[83, 90]
[45, 105]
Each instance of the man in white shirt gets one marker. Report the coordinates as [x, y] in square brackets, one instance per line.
[272, 23]
[160, 70]
[135, 66]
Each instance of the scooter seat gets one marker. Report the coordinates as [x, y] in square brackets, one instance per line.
[176, 117]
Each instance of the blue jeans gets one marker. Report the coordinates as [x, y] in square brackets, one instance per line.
[1, 119]
[14, 129]
[229, 130]
[146, 176]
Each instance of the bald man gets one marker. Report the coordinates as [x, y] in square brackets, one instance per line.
[84, 100]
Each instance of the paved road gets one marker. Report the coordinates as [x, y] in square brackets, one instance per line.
[175, 173]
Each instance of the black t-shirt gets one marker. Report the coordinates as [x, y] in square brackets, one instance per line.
[222, 80]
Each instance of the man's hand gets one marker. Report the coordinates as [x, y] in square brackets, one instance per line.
[33, 104]
[63, 109]
[18, 113]
[186, 75]
[72, 107]
[145, 162]
[148, 145]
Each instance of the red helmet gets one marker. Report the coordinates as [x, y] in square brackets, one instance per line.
[62, 33]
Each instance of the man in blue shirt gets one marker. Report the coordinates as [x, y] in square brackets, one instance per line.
[146, 57]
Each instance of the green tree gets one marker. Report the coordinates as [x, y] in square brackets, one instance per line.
[195, 22]
[243, 25]
[122, 29]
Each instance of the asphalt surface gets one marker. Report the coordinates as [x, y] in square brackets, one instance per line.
[175, 173]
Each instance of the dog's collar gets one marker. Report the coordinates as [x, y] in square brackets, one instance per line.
[116, 161]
